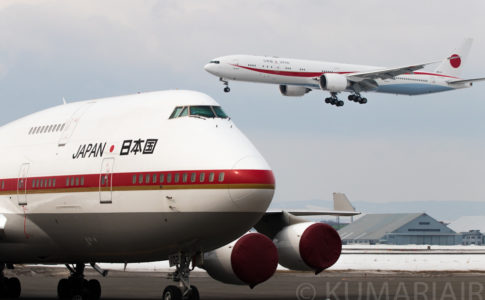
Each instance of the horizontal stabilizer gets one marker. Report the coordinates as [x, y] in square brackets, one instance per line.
[466, 80]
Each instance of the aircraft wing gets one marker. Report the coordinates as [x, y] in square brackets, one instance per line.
[466, 80]
[343, 213]
[386, 73]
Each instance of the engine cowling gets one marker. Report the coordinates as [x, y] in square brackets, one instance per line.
[250, 260]
[308, 246]
[333, 82]
[293, 90]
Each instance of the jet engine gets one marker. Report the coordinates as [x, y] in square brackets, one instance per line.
[308, 246]
[250, 260]
[293, 90]
[333, 82]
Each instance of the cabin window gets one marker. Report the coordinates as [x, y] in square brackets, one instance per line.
[140, 179]
[154, 178]
[77, 181]
[147, 178]
[50, 182]
[62, 127]
[31, 129]
[133, 181]
[176, 178]
[184, 178]
[211, 177]
[72, 181]
[41, 183]
[193, 177]
[221, 177]
[3, 184]
[54, 182]
[67, 181]
[50, 128]
[162, 178]
[202, 177]
[169, 178]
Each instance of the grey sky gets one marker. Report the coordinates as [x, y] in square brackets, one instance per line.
[395, 148]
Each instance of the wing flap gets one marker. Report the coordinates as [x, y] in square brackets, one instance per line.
[386, 73]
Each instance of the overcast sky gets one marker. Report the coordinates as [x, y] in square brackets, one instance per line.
[395, 148]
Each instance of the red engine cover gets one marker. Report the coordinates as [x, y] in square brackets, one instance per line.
[254, 258]
[320, 246]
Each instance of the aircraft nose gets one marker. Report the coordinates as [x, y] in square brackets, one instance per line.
[257, 184]
[210, 67]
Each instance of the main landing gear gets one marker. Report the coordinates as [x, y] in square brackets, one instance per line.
[184, 291]
[333, 100]
[226, 85]
[357, 98]
[76, 287]
[9, 287]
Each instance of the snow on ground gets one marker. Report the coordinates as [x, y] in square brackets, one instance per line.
[379, 257]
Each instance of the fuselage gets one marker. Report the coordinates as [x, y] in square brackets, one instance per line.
[297, 72]
[127, 179]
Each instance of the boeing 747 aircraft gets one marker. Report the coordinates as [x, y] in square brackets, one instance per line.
[297, 77]
[147, 177]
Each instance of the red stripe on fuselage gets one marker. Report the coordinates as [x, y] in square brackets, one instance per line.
[133, 179]
[317, 74]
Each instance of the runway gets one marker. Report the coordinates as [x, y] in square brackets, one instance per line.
[41, 283]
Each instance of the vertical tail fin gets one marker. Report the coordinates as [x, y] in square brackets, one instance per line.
[341, 202]
[453, 64]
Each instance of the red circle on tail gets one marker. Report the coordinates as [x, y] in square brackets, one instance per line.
[455, 61]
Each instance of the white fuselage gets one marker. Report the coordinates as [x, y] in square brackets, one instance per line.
[118, 180]
[296, 72]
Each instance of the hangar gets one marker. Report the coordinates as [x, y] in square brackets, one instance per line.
[399, 229]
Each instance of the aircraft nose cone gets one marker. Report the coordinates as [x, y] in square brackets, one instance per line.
[256, 193]
[210, 68]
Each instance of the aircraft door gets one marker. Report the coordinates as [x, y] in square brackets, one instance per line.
[22, 184]
[106, 180]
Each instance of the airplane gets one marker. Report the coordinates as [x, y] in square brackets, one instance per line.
[297, 77]
[147, 177]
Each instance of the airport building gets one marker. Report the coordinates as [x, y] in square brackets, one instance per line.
[399, 229]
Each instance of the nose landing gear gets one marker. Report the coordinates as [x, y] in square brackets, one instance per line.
[9, 287]
[76, 287]
[357, 98]
[226, 85]
[184, 291]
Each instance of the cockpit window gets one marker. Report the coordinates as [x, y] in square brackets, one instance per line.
[184, 112]
[215, 62]
[176, 112]
[203, 111]
[200, 111]
[219, 112]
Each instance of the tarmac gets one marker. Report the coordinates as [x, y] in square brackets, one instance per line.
[41, 283]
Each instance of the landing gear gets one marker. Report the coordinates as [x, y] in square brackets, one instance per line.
[357, 98]
[76, 287]
[226, 85]
[184, 291]
[9, 287]
[333, 100]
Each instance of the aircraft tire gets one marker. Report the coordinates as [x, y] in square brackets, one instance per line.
[194, 293]
[327, 100]
[172, 292]
[340, 103]
[94, 289]
[63, 288]
[363, 101]
[227, 89]
[14, 288]
[351, 97]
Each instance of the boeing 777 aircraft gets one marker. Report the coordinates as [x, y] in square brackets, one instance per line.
[297, 77]
[146, 177]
